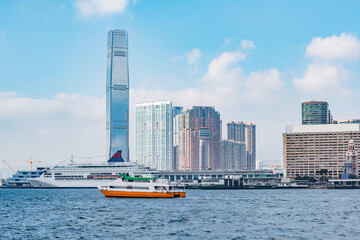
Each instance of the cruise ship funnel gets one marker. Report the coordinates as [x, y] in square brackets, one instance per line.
[116, 157]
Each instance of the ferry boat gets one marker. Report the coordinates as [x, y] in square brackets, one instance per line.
[88, 175]
[142, 187]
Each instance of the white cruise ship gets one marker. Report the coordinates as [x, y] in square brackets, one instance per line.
[89, 176]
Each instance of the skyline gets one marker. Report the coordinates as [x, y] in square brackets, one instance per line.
[256, 63]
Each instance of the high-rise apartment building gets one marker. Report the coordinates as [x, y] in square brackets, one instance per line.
[117, 94]
[199, 139]
[154, 134]
[316, 112]
[250, 143]
[310, 148]
[244, 133]
[236, 131]
[176, 111]
[233, 155]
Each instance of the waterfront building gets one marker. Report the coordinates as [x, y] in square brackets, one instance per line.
[309, 148]
[117, 94]
[349, 121]
[154, 134]
[316, 112]
[233, 155]
[186, 175]
[250, 143]
[244, 133]
[199, 139]
[176, 111]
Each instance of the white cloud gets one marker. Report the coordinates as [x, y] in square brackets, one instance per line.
[247, 44]
[51, 129]
[321, 77]
[264, 86]
[88, 8]
[193, 57]
[344, 47]
[326, 71]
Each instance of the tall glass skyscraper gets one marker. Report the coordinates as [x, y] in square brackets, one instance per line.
[154, 134]
[117, 94]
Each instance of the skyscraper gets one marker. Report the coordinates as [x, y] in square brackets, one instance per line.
[199, 139]
[316, 112]
[242, 133]
[154, 134]
[233, 155]
[117, 94]
[250, 143]
[176, 111]
[236, 131]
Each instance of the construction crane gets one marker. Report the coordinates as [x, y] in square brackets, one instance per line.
[9, 166]
[30, 162]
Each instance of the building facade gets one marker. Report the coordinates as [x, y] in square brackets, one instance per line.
[244, 133]
[309, 148]
[250, 143]
[199, 139]
[176, 111]
[316, 112]
[117, 94]
[236, 131]
[233, 155]
[154, 134]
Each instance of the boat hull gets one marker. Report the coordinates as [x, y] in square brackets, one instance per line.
[130, 194]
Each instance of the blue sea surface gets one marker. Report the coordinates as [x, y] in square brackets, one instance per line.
[203, 214]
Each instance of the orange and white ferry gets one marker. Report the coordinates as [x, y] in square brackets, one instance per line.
[142, 187]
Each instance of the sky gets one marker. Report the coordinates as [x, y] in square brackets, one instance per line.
[254, 61]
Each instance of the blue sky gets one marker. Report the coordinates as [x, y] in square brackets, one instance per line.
[253, 60]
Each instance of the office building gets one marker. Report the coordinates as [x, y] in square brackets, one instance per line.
[309, 148]
[117, 94]
[176, 111]
[199, 139]
[154, 134]
[316, 112]
[233, 155]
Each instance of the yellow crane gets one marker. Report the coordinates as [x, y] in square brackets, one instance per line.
[30, 162]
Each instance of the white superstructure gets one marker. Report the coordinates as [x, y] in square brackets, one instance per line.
[89, 175]
[86, 176]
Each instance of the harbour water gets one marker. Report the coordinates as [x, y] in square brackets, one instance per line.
[203, 214]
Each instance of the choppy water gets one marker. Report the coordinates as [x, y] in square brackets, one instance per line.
[204, 214]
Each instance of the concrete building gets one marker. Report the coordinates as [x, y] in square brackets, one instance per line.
[117, 94]
[250, 143]
[310, 148]
[349, 121]
[199, 139]
[233, 155]
[316, 112]
[236, 131]
[176, 111]
[154, 134]
[244, 133]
